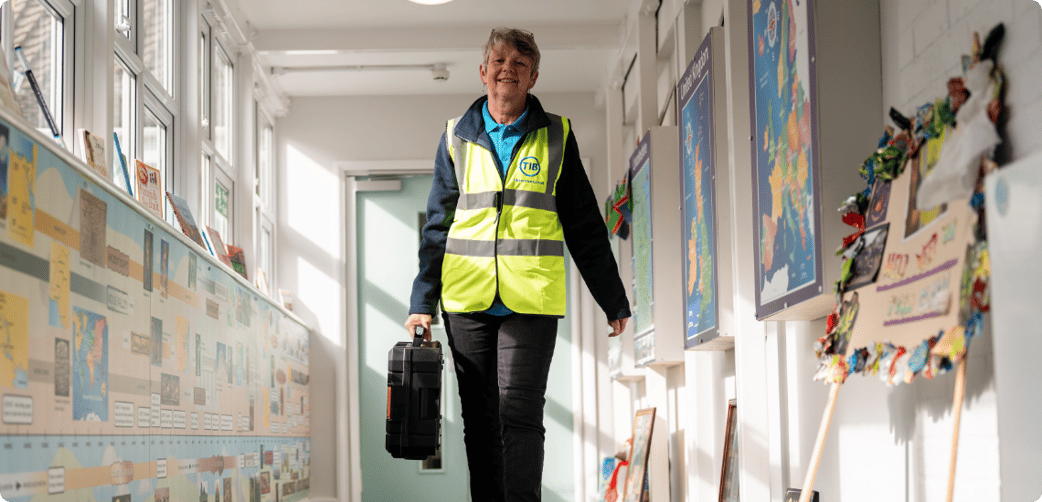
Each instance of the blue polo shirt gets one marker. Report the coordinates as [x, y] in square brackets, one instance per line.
[504, 137]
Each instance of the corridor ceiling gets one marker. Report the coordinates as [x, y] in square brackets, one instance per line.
[577, 38]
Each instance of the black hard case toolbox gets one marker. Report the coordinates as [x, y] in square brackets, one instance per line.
[414, 399]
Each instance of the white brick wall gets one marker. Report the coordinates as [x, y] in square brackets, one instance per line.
[922, 43]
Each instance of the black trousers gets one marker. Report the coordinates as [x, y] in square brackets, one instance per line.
[502, 363]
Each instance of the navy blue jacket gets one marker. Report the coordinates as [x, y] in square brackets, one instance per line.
[585, 233]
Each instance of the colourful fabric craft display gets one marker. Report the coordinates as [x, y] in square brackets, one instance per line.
[927, 128]
[618, 209]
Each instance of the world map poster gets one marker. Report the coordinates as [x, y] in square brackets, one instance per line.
[782, 89]
[698, 172]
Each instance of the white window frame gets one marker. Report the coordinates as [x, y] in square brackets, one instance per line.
[264, 196]
[64, 77]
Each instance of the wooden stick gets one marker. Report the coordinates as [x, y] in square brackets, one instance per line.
[819, 445]
[960, 392]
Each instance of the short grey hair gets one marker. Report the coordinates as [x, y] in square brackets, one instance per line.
[522, 40]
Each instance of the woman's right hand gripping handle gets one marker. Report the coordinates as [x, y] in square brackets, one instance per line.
[418, 320]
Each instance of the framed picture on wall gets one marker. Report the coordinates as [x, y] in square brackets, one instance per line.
[786, 185]
[728, 479]
[635, 487]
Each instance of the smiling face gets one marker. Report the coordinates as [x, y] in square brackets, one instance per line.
[507, 74]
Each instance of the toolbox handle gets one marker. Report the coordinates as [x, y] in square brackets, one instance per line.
[418, 337]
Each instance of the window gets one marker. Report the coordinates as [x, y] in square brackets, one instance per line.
[222, 207]
[265, 159]
[216, 91]
[39, 29]
[123, 116]
[156, 34]
[123, 17]
[205, 182]
[144, 107]
[264, 197]
[204, 79]
[222, 102]
[155, 145]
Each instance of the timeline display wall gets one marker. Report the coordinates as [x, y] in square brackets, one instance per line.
[133, 366]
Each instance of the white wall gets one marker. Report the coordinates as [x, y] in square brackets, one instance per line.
[319, 132]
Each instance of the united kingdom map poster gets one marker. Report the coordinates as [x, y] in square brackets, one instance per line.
[698, 169]
[784, 141]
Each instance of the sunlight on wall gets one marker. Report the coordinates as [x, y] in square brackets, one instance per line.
[312, 201]
[321, 294]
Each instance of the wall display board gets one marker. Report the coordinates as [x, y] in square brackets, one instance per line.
[658, 307]
[635, 488]
[917, 280]
[786, 182]
[701, 151]
[643, 271]
[134, 367]
[913, 288]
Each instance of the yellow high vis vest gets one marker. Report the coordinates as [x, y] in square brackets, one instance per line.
[506, 235]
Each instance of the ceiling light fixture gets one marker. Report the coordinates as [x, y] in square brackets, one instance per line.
[430, 2]
[439, 72]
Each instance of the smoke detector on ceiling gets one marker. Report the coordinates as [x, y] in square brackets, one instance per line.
[439, 73]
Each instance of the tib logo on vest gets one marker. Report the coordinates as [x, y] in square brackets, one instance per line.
[529, 166]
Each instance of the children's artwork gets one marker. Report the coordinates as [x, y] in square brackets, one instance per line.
[149, 188]
[146, 262]
[919, 169]
[185, 219]
[868, 260]
[879, 203]
[729, 470]
[218, 246]
[164, 268]
[238, 259]
[787, 220]
[92, 228]
[14, 332]
[94, 153]
[90, 366]
[5, 155]
[21, 180]
[920, 294]
[640, 176]
[643, 423]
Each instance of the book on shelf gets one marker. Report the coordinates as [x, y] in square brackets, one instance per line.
[94, 152]
[238, 259]
[286, 297]
[260, 279]
[149, 188]
[219, 249]
[184, 217]
[123, 164]
[8, 99]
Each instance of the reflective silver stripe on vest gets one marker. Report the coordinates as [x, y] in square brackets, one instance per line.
[530, 247]
[459, 153]
[511, 197]
[468, 247]
[554, 137]
[507, 247]
[535, 200]
[480, 200]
